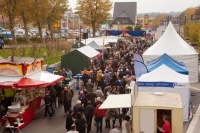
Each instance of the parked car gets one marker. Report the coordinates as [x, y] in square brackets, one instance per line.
[1, 44]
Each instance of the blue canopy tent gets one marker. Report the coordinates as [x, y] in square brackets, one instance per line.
[168, 61]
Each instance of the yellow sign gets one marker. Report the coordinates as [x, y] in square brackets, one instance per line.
[56, 24]
[146, 21]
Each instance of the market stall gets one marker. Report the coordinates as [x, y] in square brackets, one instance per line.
[79, 59]
[26, 82]
[164, 79]
[173, 45]
[149, 108]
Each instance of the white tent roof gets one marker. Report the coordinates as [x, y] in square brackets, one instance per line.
[99, 41]
[94, 45]
[117, 101]
[88, 51]
[44, 76]
[164, 74]
[4, 79]
[170, 43]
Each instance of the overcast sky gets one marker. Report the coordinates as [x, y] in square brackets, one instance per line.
[145, 6]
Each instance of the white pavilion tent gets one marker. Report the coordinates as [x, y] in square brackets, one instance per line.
[164, 79]
[173, 45]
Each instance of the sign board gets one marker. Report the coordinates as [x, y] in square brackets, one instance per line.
[7, 69]
[34, 67]
[146, 21]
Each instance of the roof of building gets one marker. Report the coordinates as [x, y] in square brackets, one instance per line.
[130, 8]
[123, 18]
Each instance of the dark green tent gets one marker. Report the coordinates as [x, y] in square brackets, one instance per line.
[78, 45]
[79, 59]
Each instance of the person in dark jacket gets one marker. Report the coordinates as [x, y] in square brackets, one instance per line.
[85, 77]
[89, 112]
[58, 87]
[67, 98]
[80, 123]
[47, 101]
[53, 100]
[78, 108]
[91, 97]
[69, 120]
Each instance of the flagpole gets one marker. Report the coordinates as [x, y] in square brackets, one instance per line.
[103, 49]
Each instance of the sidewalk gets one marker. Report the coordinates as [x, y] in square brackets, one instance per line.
[194, 125]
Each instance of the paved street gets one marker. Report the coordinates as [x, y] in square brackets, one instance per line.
[57, 124]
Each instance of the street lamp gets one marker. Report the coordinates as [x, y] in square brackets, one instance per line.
[118, 24]
[80, 24]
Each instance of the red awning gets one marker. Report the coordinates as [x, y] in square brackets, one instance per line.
[7, 84]
[27, 82]
[39, 79]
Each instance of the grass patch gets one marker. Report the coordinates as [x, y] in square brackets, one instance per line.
[54, 51]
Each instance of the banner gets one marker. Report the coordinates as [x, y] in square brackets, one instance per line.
[139, 68]
[137, 33]
[146, 21]
[7, 69]
[114, 32]
[138, 57]
[157, 84]
[34, 67]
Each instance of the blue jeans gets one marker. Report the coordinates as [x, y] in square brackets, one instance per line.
[53, 108]
[99, 121]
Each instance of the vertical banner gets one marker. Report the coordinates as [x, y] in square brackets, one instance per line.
[138, 57]
[103, 49]
[139, 68]
[146, 21]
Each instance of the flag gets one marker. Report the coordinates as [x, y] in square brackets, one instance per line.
[138, 57]
[103, 50]
[139, 68]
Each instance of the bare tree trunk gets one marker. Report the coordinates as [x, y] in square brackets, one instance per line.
[93, 29]
[25, 27]
[40, 29]
[49, 26]
[11, 24]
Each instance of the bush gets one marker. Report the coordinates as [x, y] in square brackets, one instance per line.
[21, 40]
[7, 41]
[130, 28]
[36, 40]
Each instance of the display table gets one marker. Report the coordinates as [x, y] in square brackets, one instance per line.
[27, 116]
[14, 129]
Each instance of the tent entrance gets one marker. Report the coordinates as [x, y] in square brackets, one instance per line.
[160, 114]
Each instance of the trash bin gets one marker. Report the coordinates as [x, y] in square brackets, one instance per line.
[78, 77]
[51, 69]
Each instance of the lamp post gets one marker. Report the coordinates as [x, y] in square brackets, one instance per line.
[118, 24]
[80, 28]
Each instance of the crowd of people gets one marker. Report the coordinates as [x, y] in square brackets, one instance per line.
[108, 75]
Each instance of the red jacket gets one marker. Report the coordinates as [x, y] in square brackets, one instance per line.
[99, 112]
